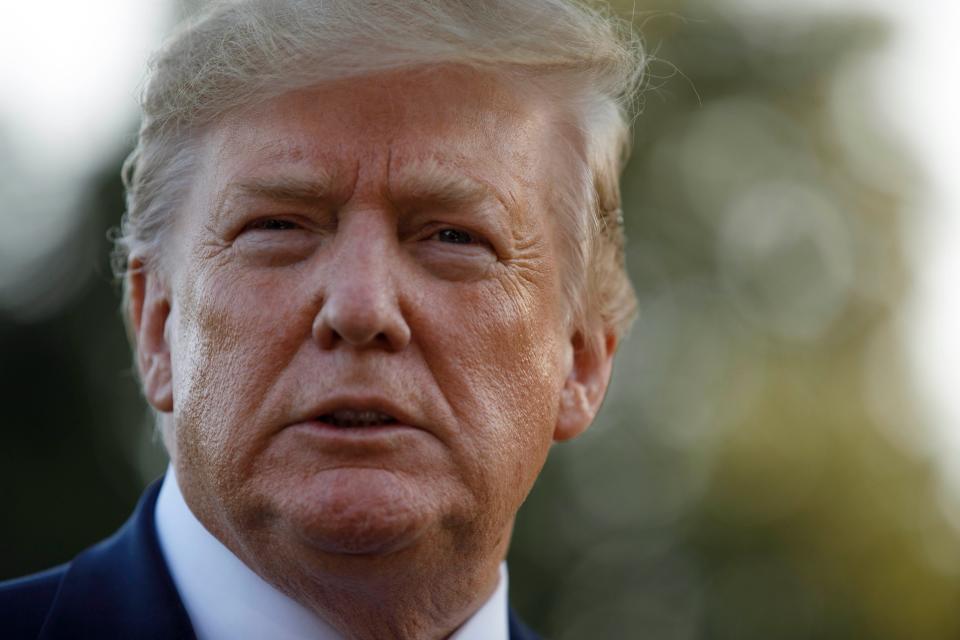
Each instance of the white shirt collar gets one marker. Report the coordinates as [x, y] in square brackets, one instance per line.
[225, 599]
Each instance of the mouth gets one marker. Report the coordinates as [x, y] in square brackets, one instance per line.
[353, 418]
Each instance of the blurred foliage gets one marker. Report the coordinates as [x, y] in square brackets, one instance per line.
[758, 470]
[75, 429]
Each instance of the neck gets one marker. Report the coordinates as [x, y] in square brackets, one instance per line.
[393, 597]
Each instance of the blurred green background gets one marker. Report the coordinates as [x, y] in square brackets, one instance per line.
[755, 472]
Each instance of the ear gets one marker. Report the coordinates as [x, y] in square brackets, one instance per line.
[149, 311]
[586, 384]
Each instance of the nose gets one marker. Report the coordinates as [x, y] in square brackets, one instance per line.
[360, 303]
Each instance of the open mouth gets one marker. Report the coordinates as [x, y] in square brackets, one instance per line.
[347, 418]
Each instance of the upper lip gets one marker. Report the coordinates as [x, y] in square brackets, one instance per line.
[363, 403]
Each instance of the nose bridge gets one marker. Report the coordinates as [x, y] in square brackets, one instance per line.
[361, 302]
[361, 277]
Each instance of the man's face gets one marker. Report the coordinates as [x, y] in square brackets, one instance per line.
[365, 327]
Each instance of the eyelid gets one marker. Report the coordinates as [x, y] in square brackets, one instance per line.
[298, 222]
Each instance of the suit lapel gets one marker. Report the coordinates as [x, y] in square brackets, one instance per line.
[120, 588]
[518, 630]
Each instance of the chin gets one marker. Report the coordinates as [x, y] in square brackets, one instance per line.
[357, 511]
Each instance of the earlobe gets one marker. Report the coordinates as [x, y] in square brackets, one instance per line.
[149, 309]
[585, 385]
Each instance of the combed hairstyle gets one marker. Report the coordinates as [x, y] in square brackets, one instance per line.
[241, 52]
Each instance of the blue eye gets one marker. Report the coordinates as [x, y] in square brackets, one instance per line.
[454, 236]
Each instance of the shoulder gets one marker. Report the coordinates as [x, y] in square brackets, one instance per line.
[25, 602]
[119, 588]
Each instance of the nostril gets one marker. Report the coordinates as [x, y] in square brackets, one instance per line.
[374, 324]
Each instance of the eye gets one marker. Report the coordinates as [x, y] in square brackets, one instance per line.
[455, 236]
[272, 224]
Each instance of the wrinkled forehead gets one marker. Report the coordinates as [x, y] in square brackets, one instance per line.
[437, 120]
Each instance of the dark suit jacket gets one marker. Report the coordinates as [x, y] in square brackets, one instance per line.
[120, 588]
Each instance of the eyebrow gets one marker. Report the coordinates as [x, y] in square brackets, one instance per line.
[283, 188]
[432, 181]
[427, 180]
[317, 190]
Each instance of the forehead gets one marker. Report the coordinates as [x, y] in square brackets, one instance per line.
[483, 126]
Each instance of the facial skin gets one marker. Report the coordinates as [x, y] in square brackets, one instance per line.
[383, 243]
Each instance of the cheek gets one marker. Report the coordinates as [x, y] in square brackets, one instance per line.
[499, 365]
[229, 351]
